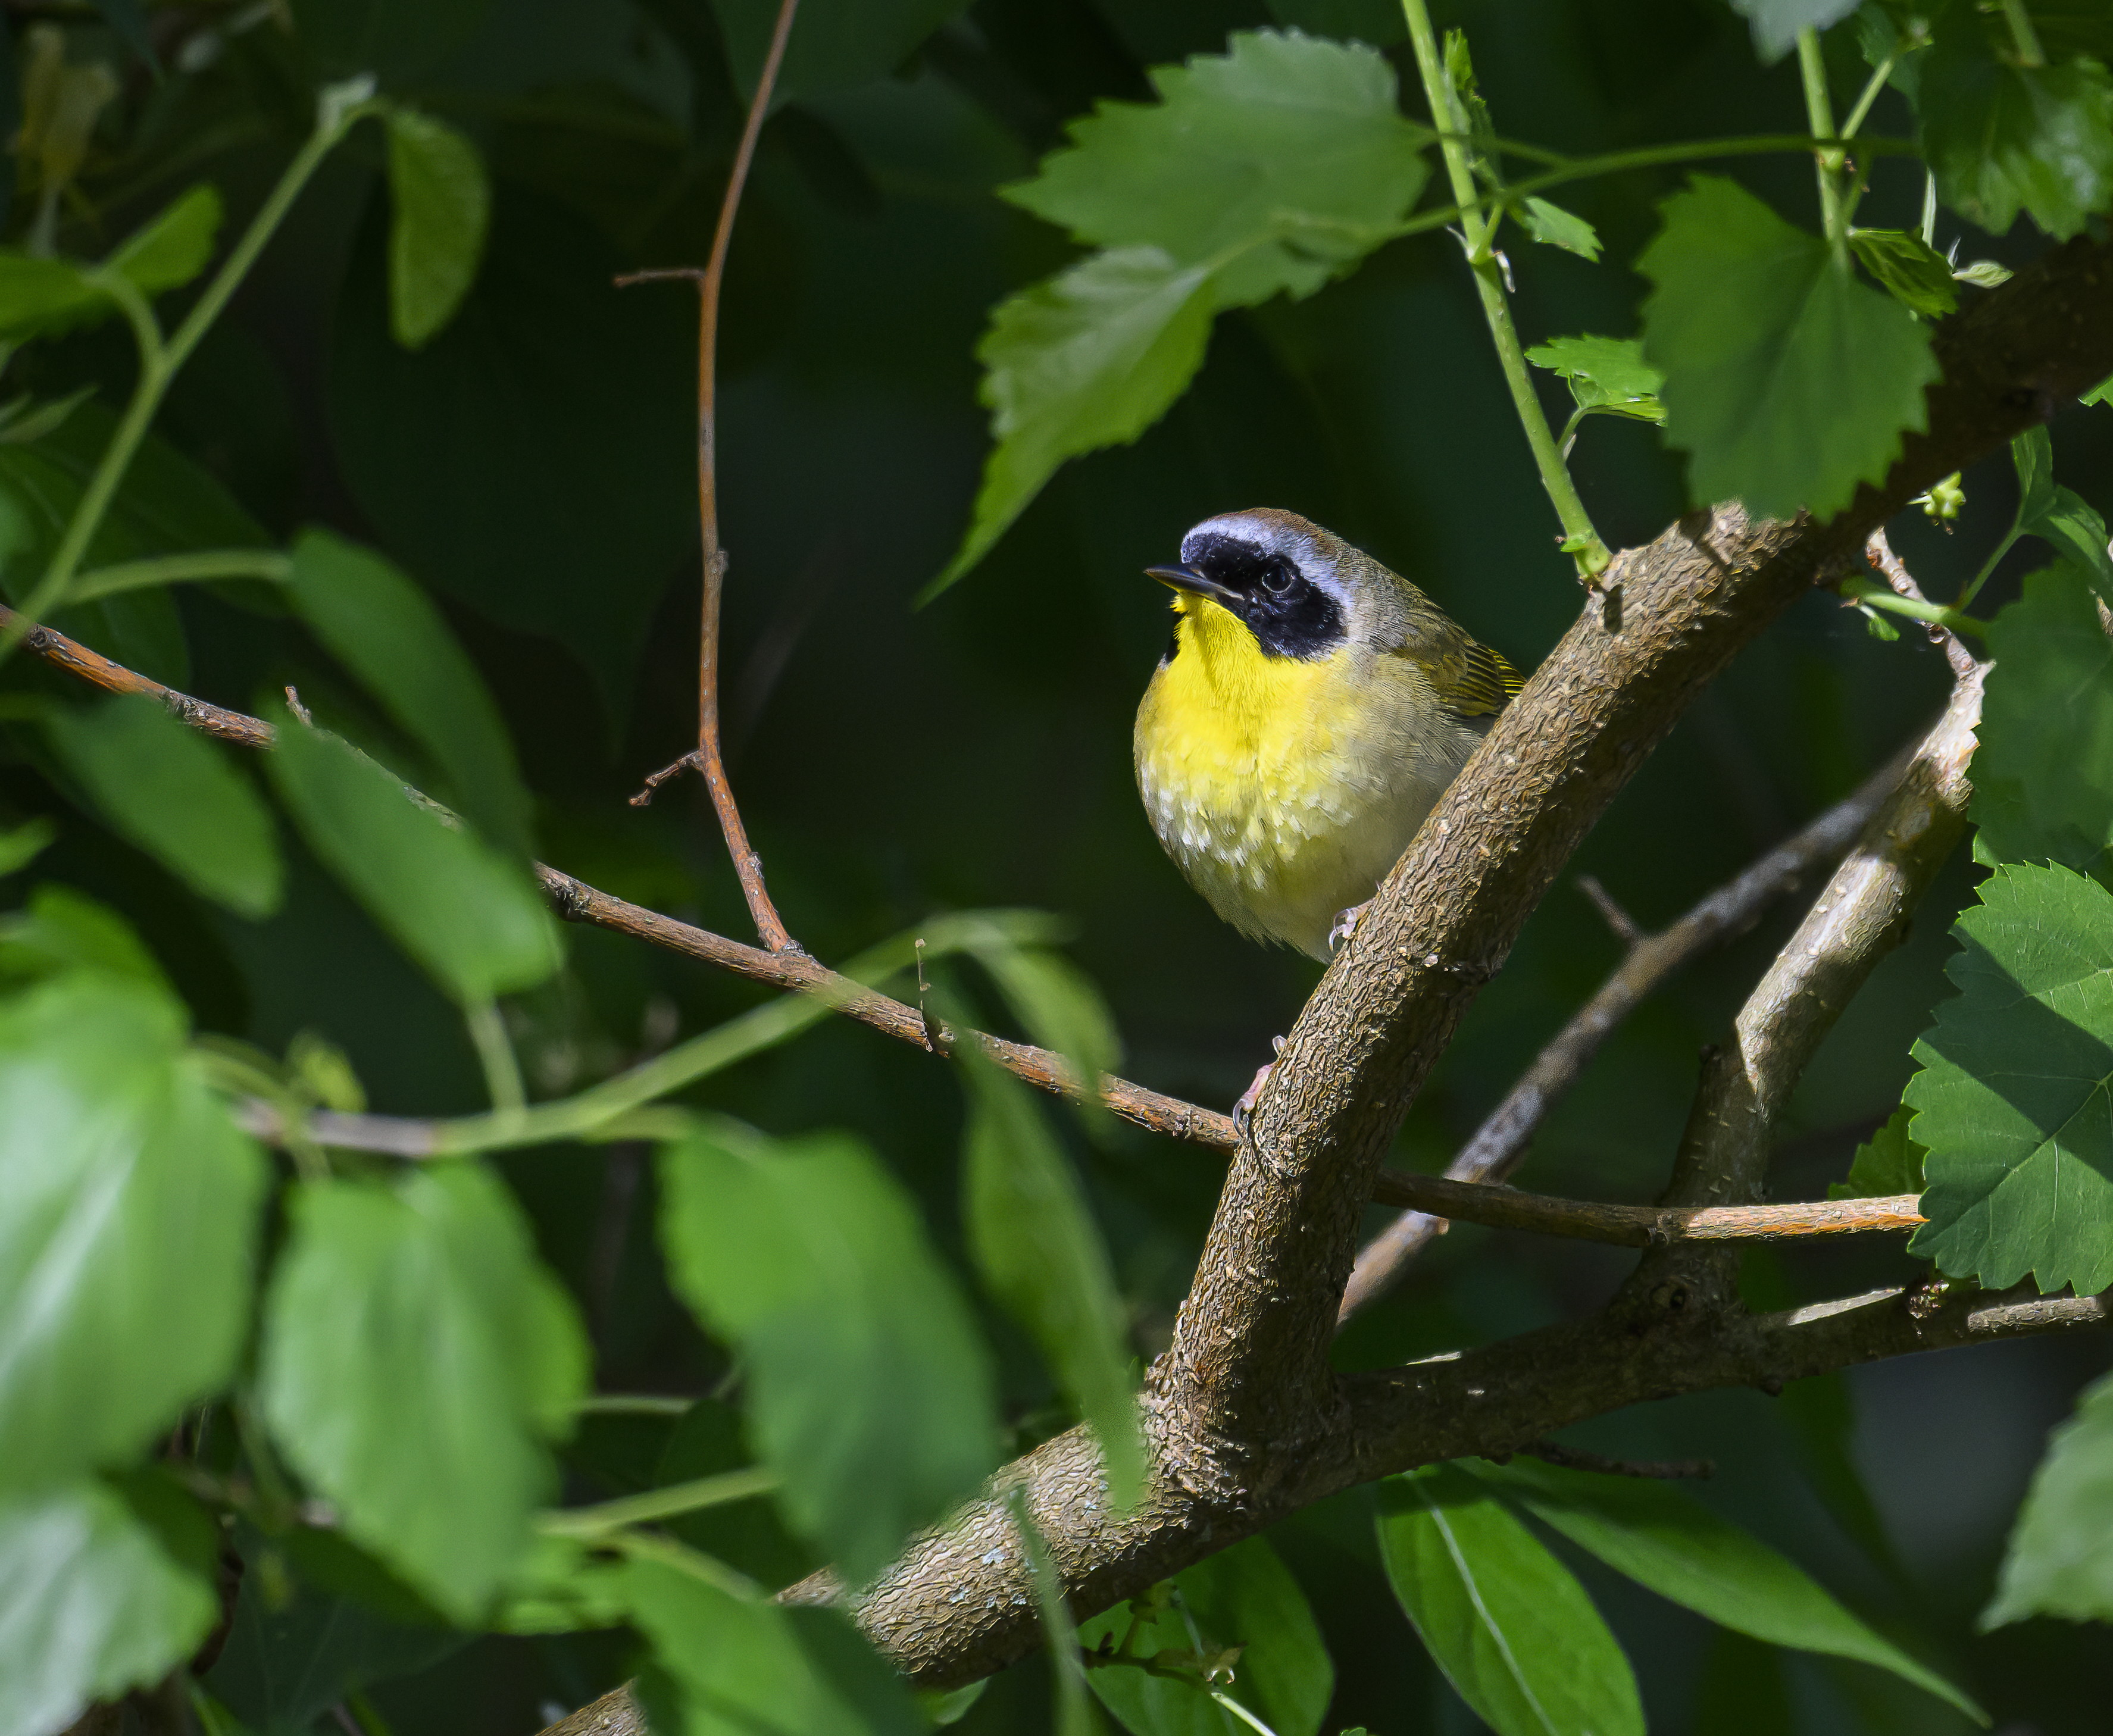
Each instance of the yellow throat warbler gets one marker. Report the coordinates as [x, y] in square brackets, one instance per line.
[1311, 707]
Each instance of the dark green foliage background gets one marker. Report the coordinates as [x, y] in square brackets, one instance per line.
[532, 468]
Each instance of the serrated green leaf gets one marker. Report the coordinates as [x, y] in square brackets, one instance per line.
[415, 1358]
[441, 212]
[471, 916]
[170, 791]
[1604, 373]
[1508, 1624]
[1886, 1165]
[170, 248]
[1093, 357]
[1242, 1602]
[2015, 1099]
[128, 1207]
[1556, 227]
[2056, 1562]
[1913, 272]
[2002, 138]
[1034, 1241]
[1379, 22]
[1787, 382]
[92, 1606]
[386, 631]
[1278, 164]
[1662, 1538]
[868, 1389]
[1776, 23]
[1984, 274]
[2044, 770]
[733, 1663]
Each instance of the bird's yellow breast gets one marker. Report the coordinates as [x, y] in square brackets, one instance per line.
[1285, 787]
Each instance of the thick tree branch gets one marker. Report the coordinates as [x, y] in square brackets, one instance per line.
[1499, 1145]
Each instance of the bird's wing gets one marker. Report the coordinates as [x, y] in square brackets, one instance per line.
[1471, 680]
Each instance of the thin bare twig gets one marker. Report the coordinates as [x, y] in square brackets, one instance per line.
[1500, 1143]
[1890, 567]
[708, 756]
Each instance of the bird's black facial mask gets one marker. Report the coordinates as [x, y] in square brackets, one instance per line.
[1289, 614]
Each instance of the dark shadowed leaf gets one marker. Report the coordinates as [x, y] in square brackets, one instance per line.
[2043, 772]
[746, 1534]
[59, 930]
[2013, 1098]
[39, 298]
[868, 1389]
[416, 1359]
[1508, 1624]
[1911, 271]
[93, 1603]
[386, 631]
[835, 43]
[172, 792]
[1242, 1602]
[169, 250]
[1787, 382]
[128, 1206]
[471, 916]
[1662, 1538]
[2002, 138]
[439, 212]
[1887, 1164]
[1034, 1241]
[2057, 1562]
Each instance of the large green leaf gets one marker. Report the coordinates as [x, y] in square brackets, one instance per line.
[2013, 1099]
[733, 1663]
[2059, 1558]
[1276, 164]
[2043, 771]
[1884, 1166]
[128, 1207]
[170, 792]
[1034, 1241]
[1511, 1628]
[471, 916]
[1093, 357]
[1662, 1538]
[1241, 1608]
[415, 1358]
[386, 631]
[835, 44]
[440, 213]
[867, 1388]
[1786, 380]
[92, 1603]
[2001, 137]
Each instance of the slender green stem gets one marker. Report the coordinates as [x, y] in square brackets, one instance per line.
[1872, 86]
[176, 569]
[1989, 568]
[1929, 209]
[655, 1505]
[1874, 595]
[495, 1054]
[2023, 36]
[1819, 114]
[1580, 539]
[633, 1404]
[1238, 1710]
[644, 1546]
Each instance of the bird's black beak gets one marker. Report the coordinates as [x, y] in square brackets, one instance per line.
[1192, 579]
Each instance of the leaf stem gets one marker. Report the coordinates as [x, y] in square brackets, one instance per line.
[1989, 566]
[176, 569]
[495, 1054]
[1819, 116]
[1581, 540]
[2023, 36]
[1874, 595]
[654, 1505]
[1872, 86]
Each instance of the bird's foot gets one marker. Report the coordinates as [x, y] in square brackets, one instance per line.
[1244, 1110]
[1346, 925]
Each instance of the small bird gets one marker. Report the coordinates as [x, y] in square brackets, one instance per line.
[1310, 709]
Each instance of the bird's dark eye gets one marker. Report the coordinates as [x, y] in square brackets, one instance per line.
[1276, 578]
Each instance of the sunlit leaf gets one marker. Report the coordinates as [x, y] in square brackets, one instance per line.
[1508, 1624]
[471, 916]
[1913, 272]
[1040, 1253]
[868, 1389]
[93, 1604]
[440, 211]
[1884, 1166]
[415, 1358]
[1662, 1538]
[1254, 1624]
[386, 631]
[171, 792]
[128, 1206]
[1776, 23]
[1556, 227]
[2057, 1562]
[2015, 1099]
[1604, 374]
[2043, 771]
[1787, 382]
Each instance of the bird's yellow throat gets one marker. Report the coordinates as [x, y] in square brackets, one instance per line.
[1229, 704]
